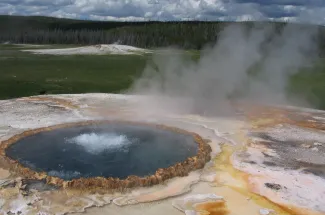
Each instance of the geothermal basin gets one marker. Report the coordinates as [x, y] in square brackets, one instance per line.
[112, 151]
[251, 174]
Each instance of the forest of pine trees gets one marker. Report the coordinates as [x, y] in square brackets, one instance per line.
[47, 30]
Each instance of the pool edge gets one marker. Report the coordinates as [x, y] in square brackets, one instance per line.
[180, 169]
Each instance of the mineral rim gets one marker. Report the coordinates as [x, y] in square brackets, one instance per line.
[162, 174]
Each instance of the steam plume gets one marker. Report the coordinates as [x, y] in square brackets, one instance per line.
[251, 64]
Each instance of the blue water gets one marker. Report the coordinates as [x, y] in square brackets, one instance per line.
[108, 150]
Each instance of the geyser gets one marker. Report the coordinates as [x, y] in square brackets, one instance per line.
[107, 154]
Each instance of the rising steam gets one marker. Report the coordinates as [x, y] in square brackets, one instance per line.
[251, 64]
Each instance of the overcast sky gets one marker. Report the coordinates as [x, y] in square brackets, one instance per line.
[287, 10]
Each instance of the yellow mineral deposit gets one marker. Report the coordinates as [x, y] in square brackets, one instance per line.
[233, 185]
[212, 208]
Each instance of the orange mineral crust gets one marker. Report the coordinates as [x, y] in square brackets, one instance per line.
[212, 208]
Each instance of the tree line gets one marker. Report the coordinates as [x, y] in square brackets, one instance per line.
[47, 30]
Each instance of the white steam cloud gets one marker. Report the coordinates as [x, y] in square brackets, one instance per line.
[251, 64]
[97, 143]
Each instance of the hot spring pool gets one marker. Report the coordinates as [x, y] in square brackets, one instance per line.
[109, 150]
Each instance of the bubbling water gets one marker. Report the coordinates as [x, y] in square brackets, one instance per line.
[96, 143]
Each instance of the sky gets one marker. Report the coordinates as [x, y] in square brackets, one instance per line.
[308, 11]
